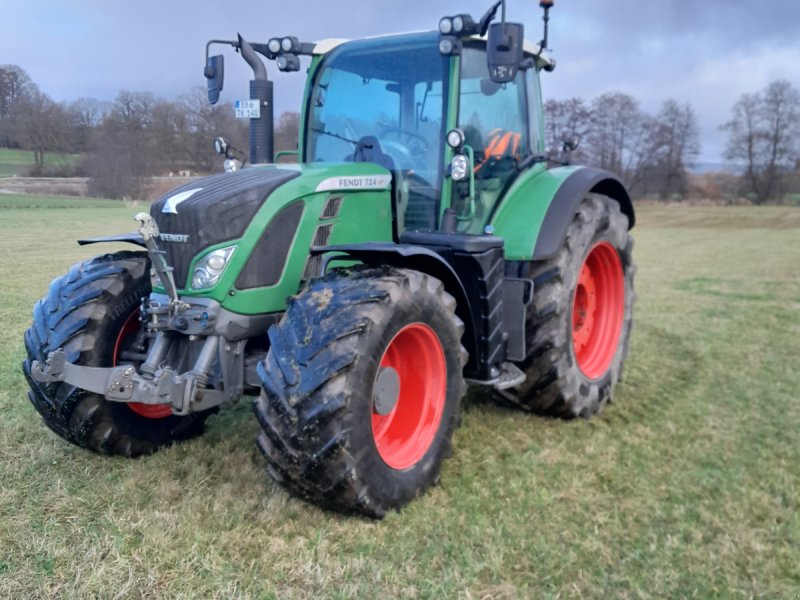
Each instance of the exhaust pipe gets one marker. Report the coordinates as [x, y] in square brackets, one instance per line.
[262, 129]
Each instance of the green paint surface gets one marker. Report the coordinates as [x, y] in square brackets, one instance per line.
[521, 213]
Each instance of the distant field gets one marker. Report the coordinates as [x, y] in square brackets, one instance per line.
[688, 486]
[20, 162]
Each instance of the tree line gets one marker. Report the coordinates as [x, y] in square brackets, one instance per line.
[140, 135]
[125, 142]
[654, 154]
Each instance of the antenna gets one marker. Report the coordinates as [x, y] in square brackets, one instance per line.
[546, 5]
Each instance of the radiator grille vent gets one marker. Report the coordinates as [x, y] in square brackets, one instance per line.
[313, 267]
[332, 207]
[323, 235]
[321, 238]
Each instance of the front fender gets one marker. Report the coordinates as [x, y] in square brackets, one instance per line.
[534, 215]
[133, 237]
[418, 258]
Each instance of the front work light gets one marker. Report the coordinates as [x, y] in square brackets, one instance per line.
[456, 139]
[449, 45]
[459, 25]
[288, 63]
[459, 167]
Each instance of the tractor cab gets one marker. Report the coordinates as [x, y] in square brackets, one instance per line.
[392, 101]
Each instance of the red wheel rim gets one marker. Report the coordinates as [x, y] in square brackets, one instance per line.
[150, 411]
[598, 310]
[403, 436]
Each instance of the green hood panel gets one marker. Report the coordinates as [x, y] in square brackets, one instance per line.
[363, 213]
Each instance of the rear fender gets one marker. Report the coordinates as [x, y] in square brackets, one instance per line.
[534, 215]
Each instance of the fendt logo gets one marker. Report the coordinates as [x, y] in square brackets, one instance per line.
[178, 238]
[171, 205]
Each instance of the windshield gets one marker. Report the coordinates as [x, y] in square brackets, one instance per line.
[382, 101]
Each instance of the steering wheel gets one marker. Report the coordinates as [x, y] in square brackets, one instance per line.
[420, 143]
[411, 151]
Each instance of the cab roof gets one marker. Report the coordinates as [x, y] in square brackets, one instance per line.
[531, 49]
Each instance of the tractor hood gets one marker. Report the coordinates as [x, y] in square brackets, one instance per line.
[220, 208]
[212, 210]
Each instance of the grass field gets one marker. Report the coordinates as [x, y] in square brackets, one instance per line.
[20, 162]
[686, 487]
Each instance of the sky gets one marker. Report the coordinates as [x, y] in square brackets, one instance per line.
[706, 53]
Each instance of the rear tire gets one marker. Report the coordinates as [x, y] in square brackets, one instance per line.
[581, 316]
[86, 312]
[329, 434]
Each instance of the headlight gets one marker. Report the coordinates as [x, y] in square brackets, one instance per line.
[446, 26]
[231, 165]
[209, 269]
[459, 168]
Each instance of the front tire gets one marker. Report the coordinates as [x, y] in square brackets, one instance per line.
[90, 312]
[580, 319]
[362, 389]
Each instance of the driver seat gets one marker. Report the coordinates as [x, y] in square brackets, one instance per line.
[369, 150]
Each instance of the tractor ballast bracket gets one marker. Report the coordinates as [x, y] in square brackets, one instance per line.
[185, 393]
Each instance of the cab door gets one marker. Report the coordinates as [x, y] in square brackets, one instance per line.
[495, 119]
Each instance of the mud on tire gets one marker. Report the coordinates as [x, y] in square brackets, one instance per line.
[316, 410]
[84, 313]
[556, 383]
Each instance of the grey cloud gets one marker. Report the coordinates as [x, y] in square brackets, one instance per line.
[705, 52]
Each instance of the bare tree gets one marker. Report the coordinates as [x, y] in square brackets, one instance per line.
[166, 137]
[675, 143]
[764, 134]
[620, 138]
[41, 125]
[567, 120]
[204, 123]
[85, 114]
[15, 87]
[121, 155]
[287, 131]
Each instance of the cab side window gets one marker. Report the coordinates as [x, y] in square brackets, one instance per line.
[494, 117]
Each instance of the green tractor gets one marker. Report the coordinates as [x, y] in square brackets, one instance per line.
[423, 242]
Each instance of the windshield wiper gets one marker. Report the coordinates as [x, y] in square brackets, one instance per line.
[355, 143]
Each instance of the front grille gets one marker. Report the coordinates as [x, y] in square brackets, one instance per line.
[266, 262]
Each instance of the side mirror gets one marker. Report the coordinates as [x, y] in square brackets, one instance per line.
[221, 146]
[215, 73]
[504, 50]
[570, 144]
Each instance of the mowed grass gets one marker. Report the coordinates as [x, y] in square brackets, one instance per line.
[20, 162]
[686, 487]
